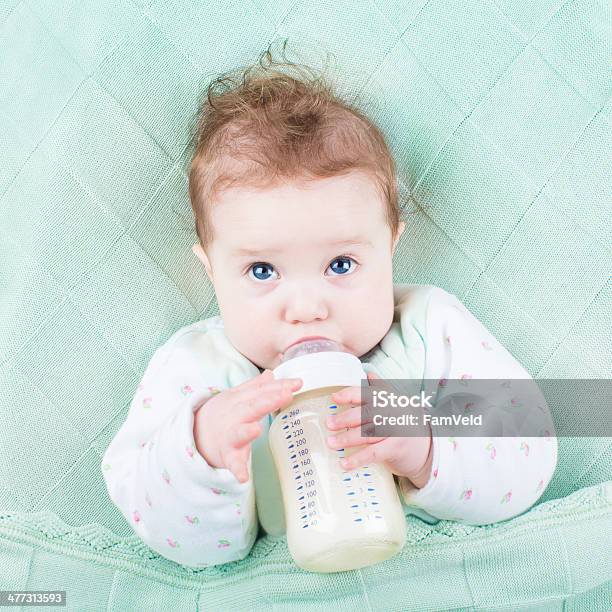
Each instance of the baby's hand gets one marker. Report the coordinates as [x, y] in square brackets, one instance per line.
[227, 423]
[406, 456]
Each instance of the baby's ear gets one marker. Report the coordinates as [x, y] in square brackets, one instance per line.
[400, 230]
[201, 255]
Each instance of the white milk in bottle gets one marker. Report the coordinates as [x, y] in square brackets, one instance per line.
[337, 519]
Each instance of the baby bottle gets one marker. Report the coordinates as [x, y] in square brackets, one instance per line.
[336, 519]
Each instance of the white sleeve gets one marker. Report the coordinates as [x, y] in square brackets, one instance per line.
[479, 480]
[173, 499]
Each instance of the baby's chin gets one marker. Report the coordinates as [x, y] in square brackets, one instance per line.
[274, 362]
[265, 363]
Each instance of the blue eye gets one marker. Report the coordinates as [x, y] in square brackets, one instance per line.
[259, 270]
[345, 266]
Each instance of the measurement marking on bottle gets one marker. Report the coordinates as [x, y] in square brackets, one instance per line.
[302, 468]
[349, 478]
[360, 489]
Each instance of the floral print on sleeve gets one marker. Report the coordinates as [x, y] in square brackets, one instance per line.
[491, 478]
[180, 506]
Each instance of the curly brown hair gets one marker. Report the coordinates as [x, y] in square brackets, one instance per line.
[260, 124]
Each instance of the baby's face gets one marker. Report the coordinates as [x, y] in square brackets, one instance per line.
[286, 264]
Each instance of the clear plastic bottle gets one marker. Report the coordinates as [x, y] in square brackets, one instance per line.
[336, 519]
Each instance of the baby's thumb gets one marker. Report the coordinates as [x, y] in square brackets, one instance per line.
[239, 469]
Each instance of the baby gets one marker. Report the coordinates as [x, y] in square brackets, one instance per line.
[296, 210]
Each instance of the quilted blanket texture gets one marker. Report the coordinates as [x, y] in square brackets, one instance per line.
[499, 115]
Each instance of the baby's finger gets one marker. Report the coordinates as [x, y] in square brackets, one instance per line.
[245, 433]
[348, 395]
[248, 394]
[352, 437]
[373, 453]
[238, 467]
[352, 395]
[351, 417]
[268, 400]
[258, 382]
[264, 378]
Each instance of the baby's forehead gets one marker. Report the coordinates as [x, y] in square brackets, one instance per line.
[275, 244]
[319, 214]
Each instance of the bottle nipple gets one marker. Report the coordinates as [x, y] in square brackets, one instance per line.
[318, 345]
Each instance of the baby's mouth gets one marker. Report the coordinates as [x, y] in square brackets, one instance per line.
[306, 339]
[321, 344]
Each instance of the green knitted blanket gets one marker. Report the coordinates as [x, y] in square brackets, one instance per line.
[499, 116]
